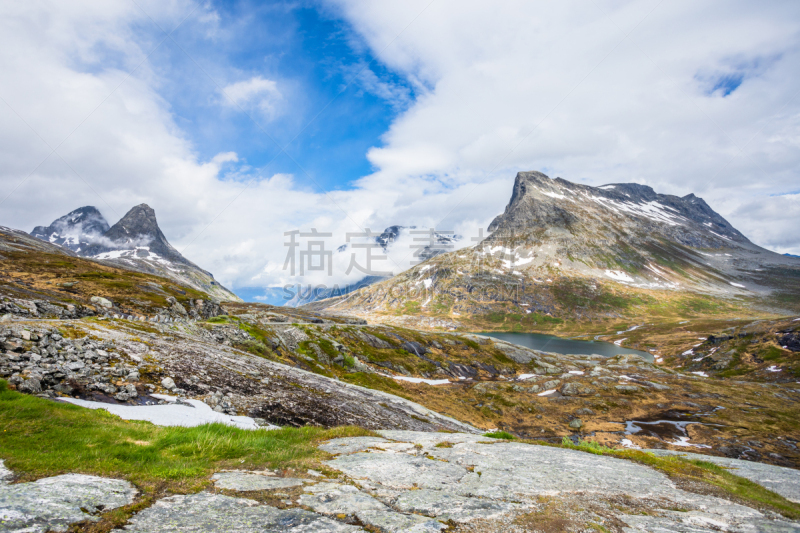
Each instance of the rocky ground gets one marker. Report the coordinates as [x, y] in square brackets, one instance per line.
[284, 369]
[419, 482]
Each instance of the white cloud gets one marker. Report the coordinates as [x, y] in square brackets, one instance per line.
[255, 93]
[501, 88]
[599, 92]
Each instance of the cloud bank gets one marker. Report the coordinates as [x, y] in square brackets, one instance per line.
[682, 96]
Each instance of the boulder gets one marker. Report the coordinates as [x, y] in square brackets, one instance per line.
[102, 302]
[576, 424]
[168, 383]
[31, 386]
[517, 354]
[576, 388]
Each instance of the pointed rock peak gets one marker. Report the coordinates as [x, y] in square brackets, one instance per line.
[139, 228]
[140, 220]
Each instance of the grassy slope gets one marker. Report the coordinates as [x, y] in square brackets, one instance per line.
[75, 280]
[42, 438]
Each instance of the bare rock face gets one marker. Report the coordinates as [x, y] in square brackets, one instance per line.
[52, 504]
[540, 202]
[207, 513]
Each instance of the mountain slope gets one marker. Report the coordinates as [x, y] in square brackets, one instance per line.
[576, 252]
[135, 242]
[43, 280]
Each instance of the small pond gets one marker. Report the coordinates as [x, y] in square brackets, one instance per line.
[551, 343]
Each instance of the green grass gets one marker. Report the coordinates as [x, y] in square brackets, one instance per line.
[42, 438]
[500, 435]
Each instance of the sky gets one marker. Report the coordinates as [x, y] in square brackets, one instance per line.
[240, 121]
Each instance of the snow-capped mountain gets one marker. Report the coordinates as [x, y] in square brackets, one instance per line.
[438, 243]
[560, 246]
[135, 243]
[76, 230]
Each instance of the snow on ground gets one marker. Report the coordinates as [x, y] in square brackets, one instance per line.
[701, 374]
[629, 329]
[171, 414]
[547, 392]
[737, 285]
[690, 351]
[618, 275]
[651, 210]
[576, 372]
[422, 380]
[527, 376]
[774, 368]
[684, 441]
[619, 342]
[428, 282]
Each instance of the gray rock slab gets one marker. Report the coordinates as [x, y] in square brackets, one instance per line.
[392, 522]
[783, 481]
[351, 444]
[247, 481]
[430, 439]
[211, 513]
[5, 473]
[399, 470]
[476, 479]
[699, 522]
[335, 498]
[448, 506]
[53, 503]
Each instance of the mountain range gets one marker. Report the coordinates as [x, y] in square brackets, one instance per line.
[568, 250]
[135, 242]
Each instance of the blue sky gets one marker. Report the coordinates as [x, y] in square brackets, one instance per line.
[315, 60]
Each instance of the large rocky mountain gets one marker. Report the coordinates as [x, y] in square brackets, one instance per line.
[135, 242]
[565, 249]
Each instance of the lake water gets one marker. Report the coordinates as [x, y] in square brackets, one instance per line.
[551, 343]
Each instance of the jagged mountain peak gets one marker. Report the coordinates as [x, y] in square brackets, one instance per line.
[539, 203]
[76, 230]
[137, 233]
[140, 221]
[134, 242]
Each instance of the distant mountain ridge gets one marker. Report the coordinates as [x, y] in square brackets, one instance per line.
[442, 241]
[135, 242]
